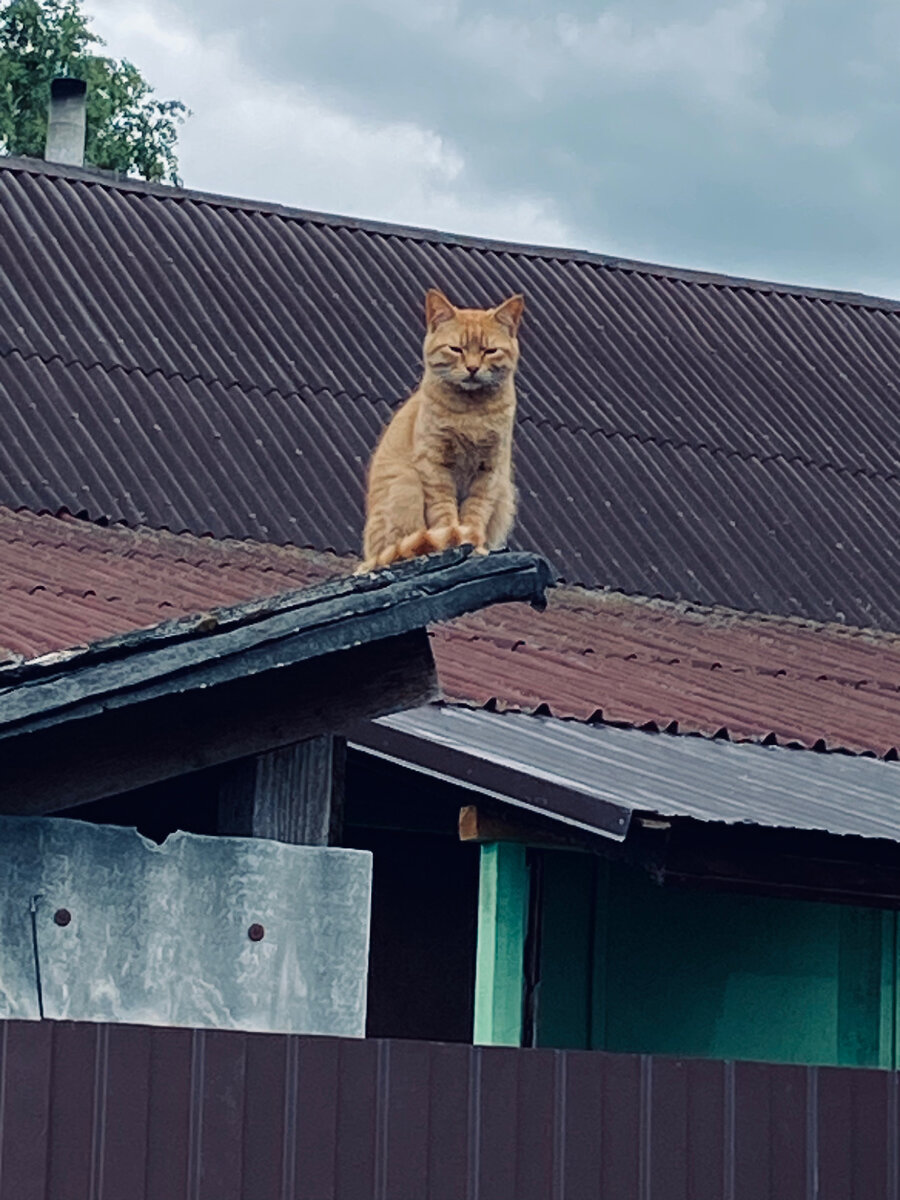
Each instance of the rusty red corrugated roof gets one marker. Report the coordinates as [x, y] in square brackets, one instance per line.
[66, 582]
[637, 662]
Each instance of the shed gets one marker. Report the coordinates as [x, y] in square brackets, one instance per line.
[225, 722]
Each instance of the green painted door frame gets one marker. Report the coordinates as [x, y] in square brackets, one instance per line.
[502, 921]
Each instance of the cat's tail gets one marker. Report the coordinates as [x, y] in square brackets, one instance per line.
[423, 541]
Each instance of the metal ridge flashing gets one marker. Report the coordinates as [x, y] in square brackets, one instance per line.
[214, 648]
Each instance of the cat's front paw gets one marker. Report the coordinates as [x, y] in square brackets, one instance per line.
[440, 537]
[471, 535]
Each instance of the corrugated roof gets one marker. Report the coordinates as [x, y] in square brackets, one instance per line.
[637, 662]
[66, 582]
[196, 363]
[235, 642]
[667, 776]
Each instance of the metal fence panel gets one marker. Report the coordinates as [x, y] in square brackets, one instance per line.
[118, 1112]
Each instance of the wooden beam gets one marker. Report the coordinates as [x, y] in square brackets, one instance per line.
[121, 749]
[478, 825]
[499, 965]
[292, 794]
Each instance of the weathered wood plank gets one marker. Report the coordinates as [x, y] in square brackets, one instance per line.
[292, 794]
[115, 751]
[480, 826]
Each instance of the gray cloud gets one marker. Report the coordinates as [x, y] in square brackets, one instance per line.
[752, 136]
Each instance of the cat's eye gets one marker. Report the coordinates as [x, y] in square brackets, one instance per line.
[455, 349]
[490, 351]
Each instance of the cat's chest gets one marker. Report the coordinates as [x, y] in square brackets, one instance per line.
[466, 452]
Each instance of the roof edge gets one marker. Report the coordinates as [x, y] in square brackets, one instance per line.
[503, 772]
[517, 787]
[98, 178]
[214, 648]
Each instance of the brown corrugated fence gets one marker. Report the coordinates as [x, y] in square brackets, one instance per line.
[117, 1112]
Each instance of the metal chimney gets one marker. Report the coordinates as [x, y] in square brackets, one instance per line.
[66, 122]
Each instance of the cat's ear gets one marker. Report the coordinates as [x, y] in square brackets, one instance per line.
[509, 314]
[438, 309]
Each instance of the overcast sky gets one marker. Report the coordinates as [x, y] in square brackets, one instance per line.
[756, 137]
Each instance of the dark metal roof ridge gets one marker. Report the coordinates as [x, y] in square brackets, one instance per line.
[417, 233]
[235, 642]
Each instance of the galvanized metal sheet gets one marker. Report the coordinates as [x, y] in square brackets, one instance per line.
[97, 923]
[672, 775]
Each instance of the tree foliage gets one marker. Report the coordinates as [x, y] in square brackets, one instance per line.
[128, 129]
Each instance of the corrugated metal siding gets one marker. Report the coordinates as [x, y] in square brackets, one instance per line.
[183, 361]
[115, 1112]
[711, 780]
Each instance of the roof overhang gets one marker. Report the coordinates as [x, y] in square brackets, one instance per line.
[182, 696]
[598, 778]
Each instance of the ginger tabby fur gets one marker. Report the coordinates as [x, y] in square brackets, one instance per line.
[441, 474]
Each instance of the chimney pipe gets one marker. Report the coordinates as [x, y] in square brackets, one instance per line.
[66, 122]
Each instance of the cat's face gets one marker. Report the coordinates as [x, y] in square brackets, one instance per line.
[473, 350]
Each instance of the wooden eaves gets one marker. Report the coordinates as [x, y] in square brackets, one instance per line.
[149, 705]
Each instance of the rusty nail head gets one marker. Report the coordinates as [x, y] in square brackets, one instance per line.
[62, 916]
[256, 933]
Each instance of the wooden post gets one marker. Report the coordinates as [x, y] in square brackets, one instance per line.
[293, 794]
[502, 921]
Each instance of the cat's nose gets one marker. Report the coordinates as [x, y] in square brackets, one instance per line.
[473, 370]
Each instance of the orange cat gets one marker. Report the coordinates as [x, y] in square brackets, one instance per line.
[441, 474]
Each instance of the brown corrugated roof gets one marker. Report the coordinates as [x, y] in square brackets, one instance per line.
[639, 662]
[197, 363]
[65, 582]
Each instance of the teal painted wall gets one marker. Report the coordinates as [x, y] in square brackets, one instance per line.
[627, 965]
